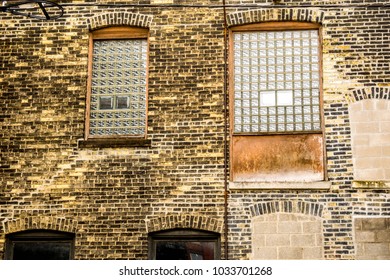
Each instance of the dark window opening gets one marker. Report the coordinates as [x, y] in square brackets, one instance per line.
[40, 245]
[184, 245]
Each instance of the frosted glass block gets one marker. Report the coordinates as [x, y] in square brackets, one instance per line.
[272, 127]
[267, 98]
[285, 97]
[307, 110]
[315, 84]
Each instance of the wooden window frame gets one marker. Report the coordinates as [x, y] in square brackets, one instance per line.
[114, 33]
[274, 26]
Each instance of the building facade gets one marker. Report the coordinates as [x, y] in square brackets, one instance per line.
[163, 129]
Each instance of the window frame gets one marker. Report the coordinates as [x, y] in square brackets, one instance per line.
[183, 235]
[38, 235]
[274, 26]
[114, 33]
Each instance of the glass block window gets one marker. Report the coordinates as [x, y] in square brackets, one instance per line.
[276, 81]
[118, 87]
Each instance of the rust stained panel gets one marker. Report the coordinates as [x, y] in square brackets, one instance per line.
[278, 158]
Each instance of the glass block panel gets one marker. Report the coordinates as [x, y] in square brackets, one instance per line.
[118, 85]
[276, 72]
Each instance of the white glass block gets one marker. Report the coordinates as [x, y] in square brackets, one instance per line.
[267, 98]
[285, 97]
[298, 127]
[272, 127]
[288, 61]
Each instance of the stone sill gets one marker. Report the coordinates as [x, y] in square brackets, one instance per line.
[317, 185]
[113, 142]
[371, 185]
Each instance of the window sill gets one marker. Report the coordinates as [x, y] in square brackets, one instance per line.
[113, 143]
[318, 185]
[371, 185]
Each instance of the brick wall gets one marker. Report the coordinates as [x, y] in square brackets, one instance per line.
[111, 194]
[112, 197]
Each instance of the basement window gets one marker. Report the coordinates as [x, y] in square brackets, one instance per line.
[39, 245]
[184, 245]
[276, 103]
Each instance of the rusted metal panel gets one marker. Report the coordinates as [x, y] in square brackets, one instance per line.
[281, 158]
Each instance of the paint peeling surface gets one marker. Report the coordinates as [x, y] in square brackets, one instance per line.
[278, 158]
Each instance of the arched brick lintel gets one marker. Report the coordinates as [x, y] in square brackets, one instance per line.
[48, 223]
[187, 221]
[368, 93]
[119, 18]
[288, 206]
[275, 14]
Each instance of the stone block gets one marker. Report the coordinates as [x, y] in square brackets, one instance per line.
[304, 240]
[265, 253]
[365, 236]
[277, 240]
[312, 253]
[264, 227]
[289, 227]
[290, 253]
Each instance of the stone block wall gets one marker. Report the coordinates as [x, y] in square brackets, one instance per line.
[372, 237]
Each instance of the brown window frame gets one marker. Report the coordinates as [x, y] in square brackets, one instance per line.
[274, 26]
[114, 33]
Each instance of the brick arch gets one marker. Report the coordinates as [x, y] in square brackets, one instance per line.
[275, 14]
[368, 93]
[188, 221]
[288, 206]
[48, 223]
[119, 18]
